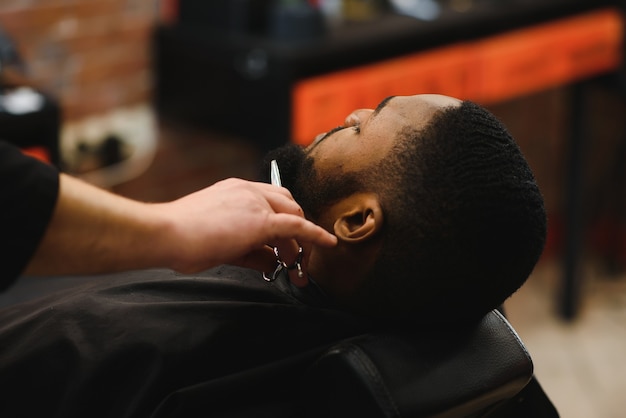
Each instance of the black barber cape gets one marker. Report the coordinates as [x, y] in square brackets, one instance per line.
[28, 193]
[154, 343]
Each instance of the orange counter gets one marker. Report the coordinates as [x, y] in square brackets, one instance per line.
[488, 70]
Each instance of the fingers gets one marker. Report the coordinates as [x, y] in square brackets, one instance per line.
[281, 201]
[273, 219]
[279, 198]
[284, 226]
[288, 222]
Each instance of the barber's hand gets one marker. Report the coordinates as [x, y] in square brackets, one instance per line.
[237, 222]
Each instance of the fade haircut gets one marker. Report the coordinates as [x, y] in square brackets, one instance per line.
[465, 221]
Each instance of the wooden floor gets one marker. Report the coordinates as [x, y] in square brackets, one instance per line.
[580, 364]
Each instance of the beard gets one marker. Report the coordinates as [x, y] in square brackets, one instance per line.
[313, 191]
[293, 164]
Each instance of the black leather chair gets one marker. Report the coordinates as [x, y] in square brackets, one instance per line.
[482, 372]
[479, 373]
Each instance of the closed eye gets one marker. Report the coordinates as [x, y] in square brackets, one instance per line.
[322, 137]
[357, 129]
[332, 131]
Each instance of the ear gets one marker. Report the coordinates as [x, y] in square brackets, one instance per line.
[359, 218]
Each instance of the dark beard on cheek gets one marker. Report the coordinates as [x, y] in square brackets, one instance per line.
[290, 159]
[297, 175]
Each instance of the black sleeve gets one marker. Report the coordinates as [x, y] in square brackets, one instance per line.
[28, 192]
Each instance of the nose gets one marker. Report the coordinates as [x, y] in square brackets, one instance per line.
[358, 117]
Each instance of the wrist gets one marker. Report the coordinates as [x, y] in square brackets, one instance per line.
[172, 243]
[162, 241]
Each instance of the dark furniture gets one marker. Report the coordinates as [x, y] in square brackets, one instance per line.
[473, 373]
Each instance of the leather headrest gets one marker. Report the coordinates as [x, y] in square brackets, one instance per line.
[457, 374]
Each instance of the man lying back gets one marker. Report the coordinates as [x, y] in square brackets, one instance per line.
[438, 220]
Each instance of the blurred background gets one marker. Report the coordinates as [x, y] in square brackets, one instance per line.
[155, 99]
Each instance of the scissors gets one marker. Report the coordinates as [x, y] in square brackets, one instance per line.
[275, 180]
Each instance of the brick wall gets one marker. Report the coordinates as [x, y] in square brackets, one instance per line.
[93, 55]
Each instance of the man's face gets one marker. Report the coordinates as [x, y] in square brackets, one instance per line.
[329, 168]
[337, 166]
[368, 135]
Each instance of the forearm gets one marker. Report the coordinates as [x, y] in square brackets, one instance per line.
[233, 221]
[94, 231]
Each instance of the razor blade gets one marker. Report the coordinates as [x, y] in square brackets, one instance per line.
[275, 174]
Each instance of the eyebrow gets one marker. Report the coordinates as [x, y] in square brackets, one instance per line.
[381, 105]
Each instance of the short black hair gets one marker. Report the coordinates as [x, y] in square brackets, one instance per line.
[465, 221]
